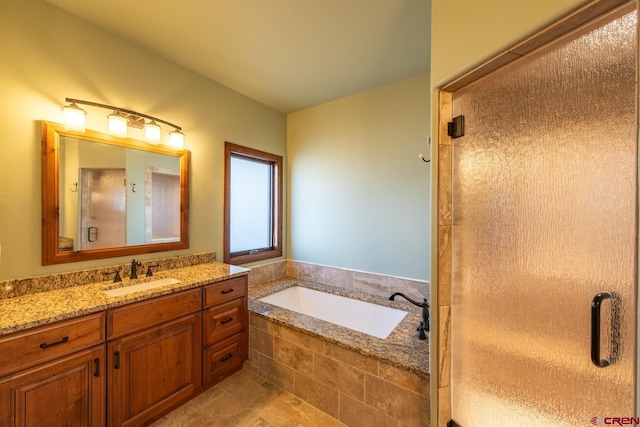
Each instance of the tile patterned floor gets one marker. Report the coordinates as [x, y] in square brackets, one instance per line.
[246, 400]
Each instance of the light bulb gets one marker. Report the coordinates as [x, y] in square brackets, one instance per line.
[176, 139]
[152, 132]
[118, 124]
[73, 117]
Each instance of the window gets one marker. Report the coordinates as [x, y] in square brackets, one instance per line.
[252, 205]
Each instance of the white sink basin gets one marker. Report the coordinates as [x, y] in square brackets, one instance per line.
[117, 292]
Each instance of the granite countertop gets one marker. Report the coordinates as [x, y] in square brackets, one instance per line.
[60, 302]
[41, 308]
[401, 348]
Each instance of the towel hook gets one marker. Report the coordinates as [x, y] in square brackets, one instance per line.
[421, 156]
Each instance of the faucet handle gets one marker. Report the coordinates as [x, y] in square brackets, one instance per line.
[117, 277]
[149, 271]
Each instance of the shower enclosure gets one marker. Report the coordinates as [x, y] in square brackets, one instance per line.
[102, 208]
[544, 188]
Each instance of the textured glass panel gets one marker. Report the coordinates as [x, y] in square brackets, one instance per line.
[251, 205]
[102, 208]
[544, 214]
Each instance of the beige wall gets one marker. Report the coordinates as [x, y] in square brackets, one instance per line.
[359, 193]
[465, 33]
[48, 55]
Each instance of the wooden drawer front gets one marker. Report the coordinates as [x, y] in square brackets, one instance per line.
[25, 349]
[224, 320]
[223, 359]
[225, 291]
[138, 316]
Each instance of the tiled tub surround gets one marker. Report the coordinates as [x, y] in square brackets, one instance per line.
[356, 378]
[377, 284]
[67, 295]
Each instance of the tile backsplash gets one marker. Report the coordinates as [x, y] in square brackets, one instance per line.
[30, 285]
[377, 284]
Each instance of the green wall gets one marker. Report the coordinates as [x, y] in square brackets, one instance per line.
[359, 194]
[47, 55]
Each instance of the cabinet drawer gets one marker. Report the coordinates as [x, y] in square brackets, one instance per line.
[224, 320]
[225, 291]
[141, 315]
[26, 349]
[224, 358]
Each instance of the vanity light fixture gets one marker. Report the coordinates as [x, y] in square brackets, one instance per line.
[119, 120]
[73, 117]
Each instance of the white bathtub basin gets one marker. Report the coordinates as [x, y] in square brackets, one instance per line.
[361, 316]
[117, 292]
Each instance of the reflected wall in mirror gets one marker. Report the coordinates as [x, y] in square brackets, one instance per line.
[104, 196]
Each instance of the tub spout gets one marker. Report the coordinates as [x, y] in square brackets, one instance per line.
[424, 325]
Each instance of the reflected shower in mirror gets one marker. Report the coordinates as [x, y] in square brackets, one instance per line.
[113, 196]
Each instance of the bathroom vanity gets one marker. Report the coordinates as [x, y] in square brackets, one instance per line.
[129, 363]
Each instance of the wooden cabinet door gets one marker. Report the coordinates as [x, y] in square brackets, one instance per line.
[154, 370]
[67, 392]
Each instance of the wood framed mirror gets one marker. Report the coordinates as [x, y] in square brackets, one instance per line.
[105, 197]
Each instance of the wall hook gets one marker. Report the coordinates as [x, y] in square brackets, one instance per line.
[75, 187]
[421, 156]
[133, 187]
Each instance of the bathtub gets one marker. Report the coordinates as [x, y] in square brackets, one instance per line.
[361, 316]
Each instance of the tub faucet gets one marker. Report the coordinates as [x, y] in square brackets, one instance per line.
[424, 325]
[134, 269]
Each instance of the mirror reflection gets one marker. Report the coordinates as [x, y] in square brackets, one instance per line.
[113, 197]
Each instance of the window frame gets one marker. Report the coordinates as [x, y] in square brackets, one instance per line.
[245, 257]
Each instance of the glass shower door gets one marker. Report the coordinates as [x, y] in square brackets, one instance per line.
[544, 219]
[103, 201]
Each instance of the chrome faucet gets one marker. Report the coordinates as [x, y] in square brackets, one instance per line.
[424, 325]
[134, 268]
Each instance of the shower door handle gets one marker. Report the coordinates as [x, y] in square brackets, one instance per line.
[596, 303]
[92, 234]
